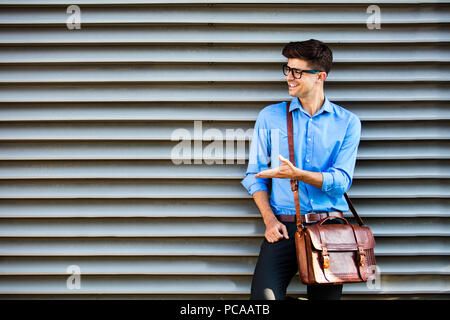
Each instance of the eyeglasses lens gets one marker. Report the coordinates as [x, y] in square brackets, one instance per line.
[295, 72]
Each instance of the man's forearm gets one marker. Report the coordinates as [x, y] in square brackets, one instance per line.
[262, 201]
[313, 178]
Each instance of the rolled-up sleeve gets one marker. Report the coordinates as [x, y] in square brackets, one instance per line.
[338, 178]
[259, 156]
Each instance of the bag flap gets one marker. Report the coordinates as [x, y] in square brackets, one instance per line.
[365, 237]
[338, 237]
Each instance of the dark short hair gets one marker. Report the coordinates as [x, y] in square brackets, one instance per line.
[316, 53]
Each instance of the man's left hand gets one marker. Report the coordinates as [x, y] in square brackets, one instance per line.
[286, 171]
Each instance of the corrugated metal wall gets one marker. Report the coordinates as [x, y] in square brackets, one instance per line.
[86, 123]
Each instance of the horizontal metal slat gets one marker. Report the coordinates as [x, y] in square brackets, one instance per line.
[387, 188]
[387, 111]
[186, 188]
[391, 208]
[218, 33]
[202, 285]
[212, 247]
[404, 284]
[217, 53]
[413, 265]
[123, 188]
[371, 150]
[119, 169]
[162, 150]
[125, 130]
[403, 130]
[209, 131]
[407, 169]
[199, 227]
[129, 208]
[131, 227]
[216, 92]
[226, 13]
[218, 111]
[129, 247]
[157, 208]
[192, 265]
[129, 265]
[230, 72]
[144, 169]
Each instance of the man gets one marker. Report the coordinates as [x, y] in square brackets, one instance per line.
[326, 138]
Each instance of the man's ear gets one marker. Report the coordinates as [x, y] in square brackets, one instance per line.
[322, 76]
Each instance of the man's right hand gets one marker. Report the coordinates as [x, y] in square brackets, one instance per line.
[275, 230]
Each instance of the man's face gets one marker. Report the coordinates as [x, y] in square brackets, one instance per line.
[304, 86]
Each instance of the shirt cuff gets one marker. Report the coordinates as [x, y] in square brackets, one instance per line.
[328, 181]
[253, 184]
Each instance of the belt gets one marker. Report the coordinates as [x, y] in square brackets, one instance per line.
[309, 217]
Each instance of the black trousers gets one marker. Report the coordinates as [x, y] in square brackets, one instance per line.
[277, 265]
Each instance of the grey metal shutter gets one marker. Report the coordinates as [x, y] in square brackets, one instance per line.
[86, 122]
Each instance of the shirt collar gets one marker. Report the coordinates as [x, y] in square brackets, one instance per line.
[295, 104]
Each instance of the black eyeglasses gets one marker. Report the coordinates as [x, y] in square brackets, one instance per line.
[297, 73]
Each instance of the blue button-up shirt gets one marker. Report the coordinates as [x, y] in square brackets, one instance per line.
[326, 143]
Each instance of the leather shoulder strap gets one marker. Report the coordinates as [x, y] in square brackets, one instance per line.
[294, 183]
[353, 210]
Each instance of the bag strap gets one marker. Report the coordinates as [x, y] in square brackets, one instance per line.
[294, 183]
[353, 210]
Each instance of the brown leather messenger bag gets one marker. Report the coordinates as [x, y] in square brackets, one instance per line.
[331, 253]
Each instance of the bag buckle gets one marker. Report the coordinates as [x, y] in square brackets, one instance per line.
[326, 262]
[325, 258]
[362, 256]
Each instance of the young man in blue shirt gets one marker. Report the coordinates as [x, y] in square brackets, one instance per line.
[326, 140]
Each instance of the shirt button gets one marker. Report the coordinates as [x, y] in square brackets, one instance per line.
[307, 160]
[312, 200]
[309, 139]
